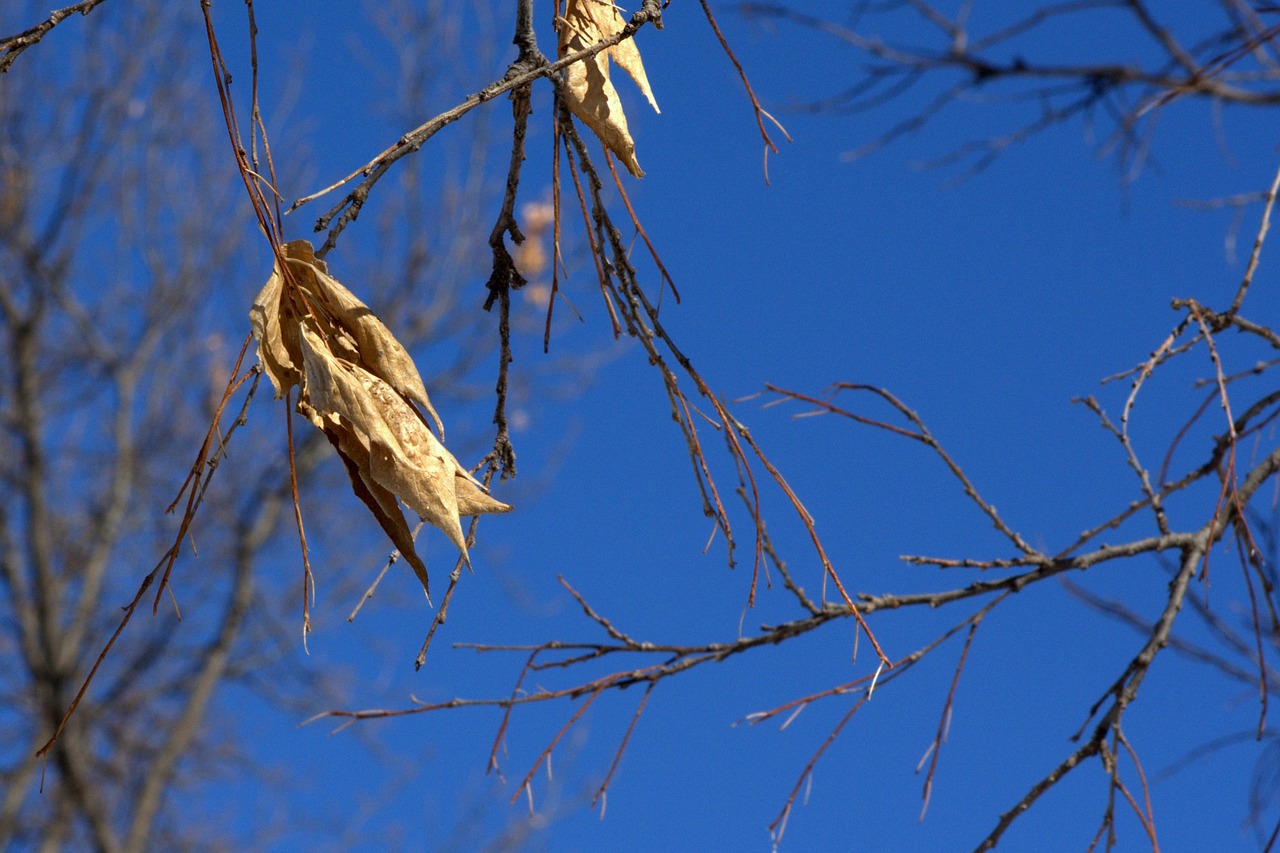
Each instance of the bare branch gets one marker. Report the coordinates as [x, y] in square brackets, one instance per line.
[16, 44]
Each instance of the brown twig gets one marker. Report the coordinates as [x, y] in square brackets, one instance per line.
[443, 612]
[602, 791]
[505, 278]
[779, 825]
[16, 44]
[944, 722]
[922, 435]
[1152, 497]
[644, 235]
[1145, 814]
[546, 752]
[308, 580]
[760, 113]
[1256, 254]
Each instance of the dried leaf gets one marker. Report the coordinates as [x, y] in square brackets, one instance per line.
[627, 56]
[358, 386]
[588, 91]
[380, 353]
[273, 353]
[378, 350]
[403, 456]
[352, 330]
[380, 501]
[472, 499]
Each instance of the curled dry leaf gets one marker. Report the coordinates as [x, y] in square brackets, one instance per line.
[588, 92]
[269, 317]
[358, 386]
[360, 336]
[379, 351]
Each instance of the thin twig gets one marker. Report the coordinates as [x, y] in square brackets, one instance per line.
[16, 44]
[1256, 254]
[760, 112]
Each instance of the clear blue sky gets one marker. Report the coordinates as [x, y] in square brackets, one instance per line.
[985, 304]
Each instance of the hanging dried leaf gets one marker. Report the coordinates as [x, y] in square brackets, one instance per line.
[380, 501]
[354, 332]
[358, 386]
[274, 352]
[380, 353]
[403, 456]
[588, 91]
[627, 56]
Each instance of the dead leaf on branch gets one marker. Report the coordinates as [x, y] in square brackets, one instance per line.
[361, 335]
[358, 386]
[588, 91]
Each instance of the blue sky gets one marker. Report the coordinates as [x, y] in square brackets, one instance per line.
[984, 304]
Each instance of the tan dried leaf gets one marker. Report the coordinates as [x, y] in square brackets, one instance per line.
[588, 91]
[380, 501]
[627, 56]
[403, 456]
[423, 473]
[358, 386]
[273, 348]
[378, 350]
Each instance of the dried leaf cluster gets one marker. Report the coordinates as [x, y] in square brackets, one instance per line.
[589, 94]
[358, 386]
